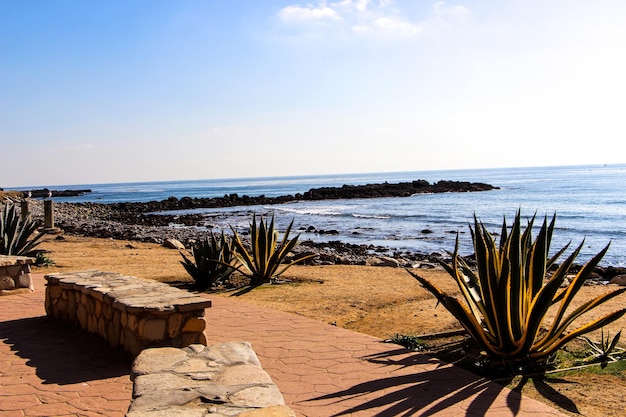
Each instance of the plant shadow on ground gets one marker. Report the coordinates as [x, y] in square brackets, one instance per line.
[237, 285]
[561, 375]
[62, 354]
[427, 391]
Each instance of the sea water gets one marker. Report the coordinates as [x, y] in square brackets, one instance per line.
[589, 202]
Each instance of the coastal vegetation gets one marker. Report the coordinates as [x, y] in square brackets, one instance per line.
[18, 236]
[265, 259]
[261, 260]
[507, 294]
[212, 259]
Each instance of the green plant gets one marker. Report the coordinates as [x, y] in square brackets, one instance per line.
[410, 342]
[42, 259]
[263, 262]
[604, 350]
[212, 258]
[16, 234]
[506, 299]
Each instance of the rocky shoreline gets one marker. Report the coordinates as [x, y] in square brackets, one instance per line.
[103, 221]
[135, 222]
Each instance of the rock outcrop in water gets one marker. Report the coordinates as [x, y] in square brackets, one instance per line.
[44, 192]
[403, 189]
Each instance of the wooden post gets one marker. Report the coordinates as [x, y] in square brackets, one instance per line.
[48, 214]
[25, 209]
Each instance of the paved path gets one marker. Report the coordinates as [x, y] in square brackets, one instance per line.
[50, 369]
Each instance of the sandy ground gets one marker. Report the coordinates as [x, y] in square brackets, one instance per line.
[374, 300]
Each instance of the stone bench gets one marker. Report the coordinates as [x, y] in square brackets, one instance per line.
[224, 379]
[15, 274]
[128, 312]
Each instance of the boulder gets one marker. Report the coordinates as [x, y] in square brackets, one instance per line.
[382, 261]
[173, 244]
[619, 280]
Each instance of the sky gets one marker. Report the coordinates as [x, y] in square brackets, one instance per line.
[148, 90]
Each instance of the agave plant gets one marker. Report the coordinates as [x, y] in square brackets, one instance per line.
[16, 234]
[508, 294]
[212, 258]
[605, 349]
[265, 260]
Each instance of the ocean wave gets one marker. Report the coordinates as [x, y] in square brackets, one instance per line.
[310, 211]
[370, 216]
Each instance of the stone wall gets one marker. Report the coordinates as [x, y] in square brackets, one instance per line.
[225, 379]
[15, 274]
[128, 312]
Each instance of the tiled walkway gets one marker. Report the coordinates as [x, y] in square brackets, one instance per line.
[50, 369]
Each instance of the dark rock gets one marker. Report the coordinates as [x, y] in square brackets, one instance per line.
[43, 193]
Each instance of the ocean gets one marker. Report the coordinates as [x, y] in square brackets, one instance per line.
[589, 202]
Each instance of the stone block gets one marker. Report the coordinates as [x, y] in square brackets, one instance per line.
[113, 334]
[187, 339]
[81, 316]
[174, 322]
[133, 322]
[97, 308]
[25, 281]
[14, 270]
[6, 283]
[190, 382]
[53, 291]
[194, 324]
[102, 328]
[153, 329]
[92, 324]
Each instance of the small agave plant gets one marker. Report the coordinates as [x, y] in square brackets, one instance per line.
[605, 350]
[212, 258]
[507, 295]
[16, 235]
[265, 260]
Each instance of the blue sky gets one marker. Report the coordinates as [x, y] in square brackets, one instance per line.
[124, 91]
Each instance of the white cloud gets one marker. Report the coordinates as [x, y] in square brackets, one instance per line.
[299, 13]
[391, 25]
[383, 17]
[442, 10]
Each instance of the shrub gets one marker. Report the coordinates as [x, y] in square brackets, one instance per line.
[264, 261]
[42, 259]
[16, 234]
[605, 349]
[410, 342]
[211, 261]
[506, 299]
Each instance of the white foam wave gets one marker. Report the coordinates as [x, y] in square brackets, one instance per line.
[370, 216]
[311, 211]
